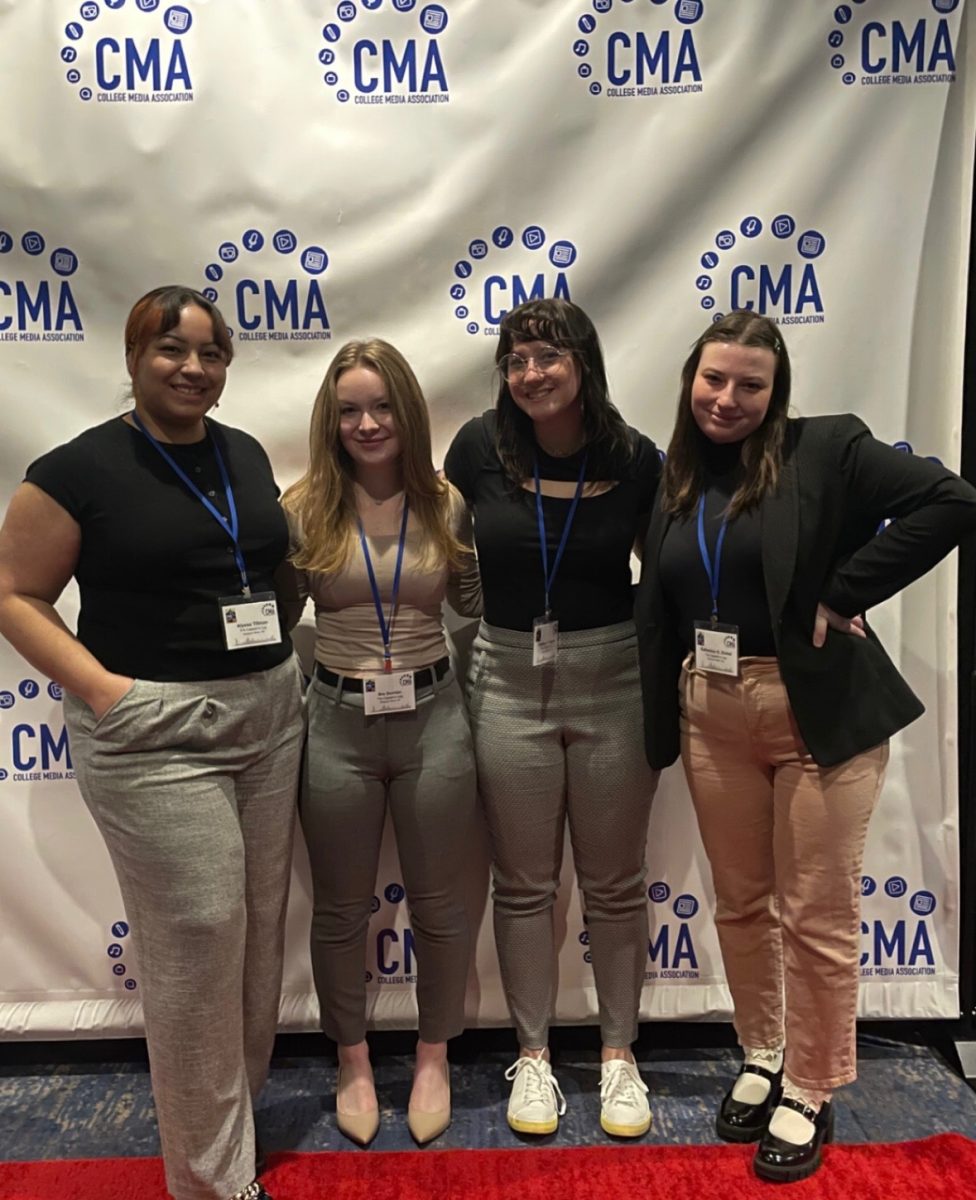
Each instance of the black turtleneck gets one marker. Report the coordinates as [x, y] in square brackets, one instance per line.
[742, 590]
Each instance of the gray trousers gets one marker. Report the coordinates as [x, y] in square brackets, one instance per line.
[421, 765]
[552, 743]
[193, 787]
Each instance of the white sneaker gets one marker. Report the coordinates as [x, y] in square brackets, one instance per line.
[624, 1111]
[536, 1102]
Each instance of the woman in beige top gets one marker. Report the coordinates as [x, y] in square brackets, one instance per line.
[380, 540]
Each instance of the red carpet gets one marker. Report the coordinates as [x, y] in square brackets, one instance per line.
[939, 1168]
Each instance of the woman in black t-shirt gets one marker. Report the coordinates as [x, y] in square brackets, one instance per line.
[560, 489]
[183, 705]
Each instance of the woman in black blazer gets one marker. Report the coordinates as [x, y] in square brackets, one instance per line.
[757, 666]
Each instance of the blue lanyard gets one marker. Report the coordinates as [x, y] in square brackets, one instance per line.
[711, 569]
[230, 527]
[550, 577]
[386, 628]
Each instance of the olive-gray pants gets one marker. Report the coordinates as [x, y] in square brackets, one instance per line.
[193, 786]
[552, 743]
[421, 764]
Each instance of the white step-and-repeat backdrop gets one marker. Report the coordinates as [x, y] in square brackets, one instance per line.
[331, 170]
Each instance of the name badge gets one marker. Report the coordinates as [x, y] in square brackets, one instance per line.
[388, 693]
[717, 648]
[545, 641]
[250, 620]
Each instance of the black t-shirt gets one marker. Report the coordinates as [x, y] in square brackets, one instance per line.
[153, 560]
[593, 585]
[742, 587]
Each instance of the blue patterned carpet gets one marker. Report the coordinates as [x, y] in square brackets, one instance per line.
[85, 1109]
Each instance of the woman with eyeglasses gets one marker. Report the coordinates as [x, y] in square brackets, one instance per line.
[765, 548]
[380, 541]
[183, 704]
[561, 490]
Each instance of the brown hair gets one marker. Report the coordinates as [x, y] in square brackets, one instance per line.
[762, 450]
[322, 500]
[158, 311]
[565, 325]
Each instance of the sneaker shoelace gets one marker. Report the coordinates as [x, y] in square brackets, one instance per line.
[623, 1086]
[539, 1083]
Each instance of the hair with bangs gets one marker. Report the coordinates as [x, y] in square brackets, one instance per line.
[158, 311]
[762, 451]
[562, 324]
[323, 502]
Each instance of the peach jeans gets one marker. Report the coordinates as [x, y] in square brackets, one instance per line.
[785, 840]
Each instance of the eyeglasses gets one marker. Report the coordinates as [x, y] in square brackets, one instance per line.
[514, 366]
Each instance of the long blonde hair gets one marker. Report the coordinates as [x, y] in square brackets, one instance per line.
[323, 501]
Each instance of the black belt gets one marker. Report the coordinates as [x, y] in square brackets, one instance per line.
[421, 679]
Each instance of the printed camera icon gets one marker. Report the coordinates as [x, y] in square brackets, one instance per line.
[178, 20]
[89, 11]
[284, 242]
[33, 243]
[228, 252]
[6, 700]
[923, 903]
[783, 227]
[811, 245]
[63, 262]
[313, 260]
[689, 10]
[602, 6]
[478, 249]
[346, 12]
[685, 906]
[562, 255]
[433, 19]
[725, 241]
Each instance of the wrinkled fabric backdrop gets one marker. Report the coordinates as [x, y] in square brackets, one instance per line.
[412, 170]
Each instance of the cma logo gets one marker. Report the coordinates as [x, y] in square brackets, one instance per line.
[639, 62]
[39, 748]
[163, 67]
[400, 68]
[899, 944]
[137, 64]
[387, 66]
[896, 47]
[32, 306]
[671, 957]
[902, 943]
[758, 279]
[508, 280]
[395, 953]
[263, 305]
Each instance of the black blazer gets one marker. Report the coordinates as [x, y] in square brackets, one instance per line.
[820, 543]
